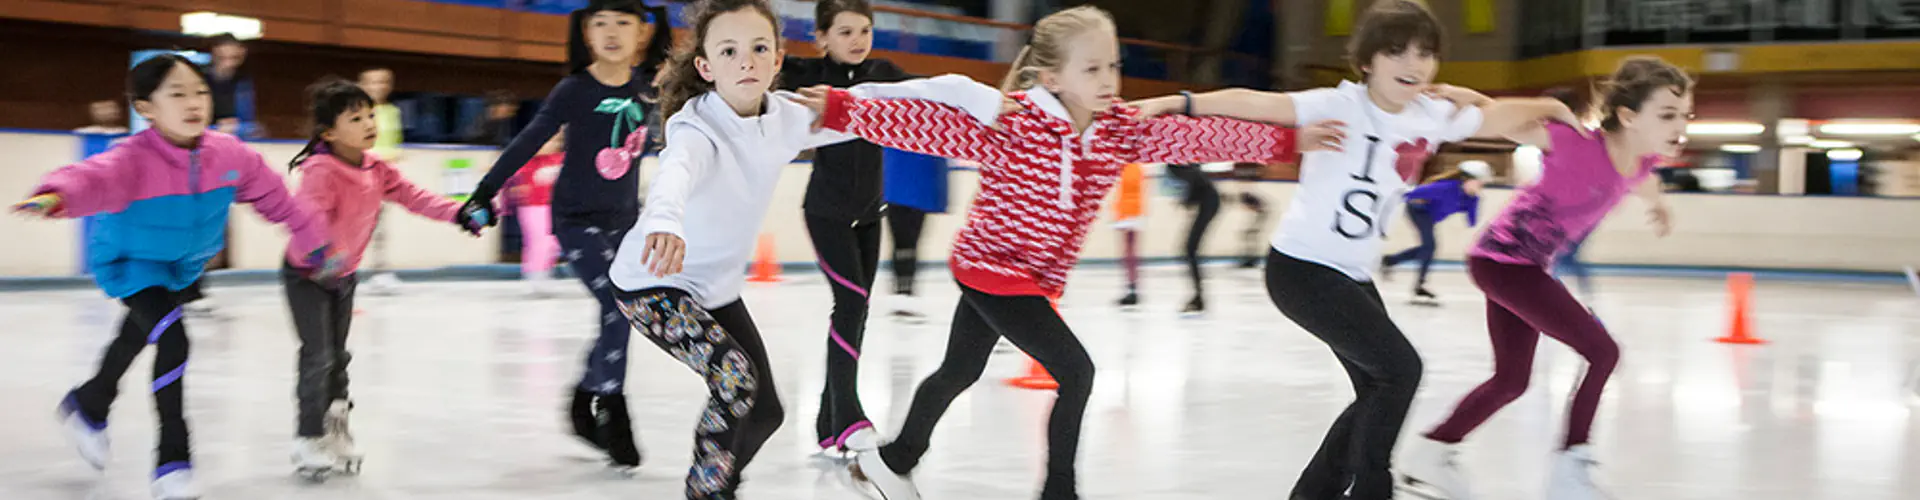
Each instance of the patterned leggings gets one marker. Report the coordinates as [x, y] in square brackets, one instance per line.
[723, 346]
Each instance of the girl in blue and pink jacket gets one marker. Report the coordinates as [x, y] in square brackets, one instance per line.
[159, 202]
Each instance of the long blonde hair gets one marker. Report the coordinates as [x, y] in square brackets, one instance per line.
[1048, 50]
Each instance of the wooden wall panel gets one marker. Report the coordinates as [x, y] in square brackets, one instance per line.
[56, 11]
[418, 42]
[307, 10]
[461, 20]
[539, 28]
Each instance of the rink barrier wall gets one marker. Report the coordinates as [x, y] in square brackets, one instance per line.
[1848, 235]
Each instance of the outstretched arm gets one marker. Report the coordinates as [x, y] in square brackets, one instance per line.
[1270, 107]
[97, 184]
[920, 126]
[688, 157]
[266, 191]
[1185, 139]
[419, 201]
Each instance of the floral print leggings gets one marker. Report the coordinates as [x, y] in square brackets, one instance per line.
[724, 347]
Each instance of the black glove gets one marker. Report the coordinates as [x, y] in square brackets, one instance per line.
[477, 213]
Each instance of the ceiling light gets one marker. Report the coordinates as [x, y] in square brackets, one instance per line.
[1798, 140]
[1830, 144]
[1740, 148]
[1870, 128]
[214, 23]
[1844, 154]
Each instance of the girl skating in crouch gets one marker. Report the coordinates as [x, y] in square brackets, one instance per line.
[1320, 270]
[678, 274]
[1047, 165]
[1646, 104]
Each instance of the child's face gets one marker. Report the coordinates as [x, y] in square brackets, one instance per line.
[1090, 77]
[1661, 123]
[377, 83]
[353, 131]
[180, 106]
[741, 55]
[616, 36]
[105, 112]
[1399, 77]
[849, 39]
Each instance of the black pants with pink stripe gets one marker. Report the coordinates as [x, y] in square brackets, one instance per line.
[849, 255]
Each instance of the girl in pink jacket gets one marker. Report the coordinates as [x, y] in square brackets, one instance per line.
[345, 186]
[159, 204]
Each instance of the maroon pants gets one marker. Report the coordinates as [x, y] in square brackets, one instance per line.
[1524, 301]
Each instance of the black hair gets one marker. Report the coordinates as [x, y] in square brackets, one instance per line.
[580, 55]
[329, 98]
[825, 10]
[145, 78]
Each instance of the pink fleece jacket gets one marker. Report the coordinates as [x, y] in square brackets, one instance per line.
[348, 198]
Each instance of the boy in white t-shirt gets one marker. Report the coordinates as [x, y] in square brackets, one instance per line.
[1320, 271]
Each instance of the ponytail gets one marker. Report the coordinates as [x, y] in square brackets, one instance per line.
[1021, 75]
[313, 147]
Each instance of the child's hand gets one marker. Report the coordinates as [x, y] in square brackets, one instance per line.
[44, 205]
[1662, 220]
[1157, 106]
[815, 99]
[1460, 96]
[326, 265]
[475, 215]
[1324, 135]
[663, 254]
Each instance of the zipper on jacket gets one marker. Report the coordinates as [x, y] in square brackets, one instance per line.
[193, 174]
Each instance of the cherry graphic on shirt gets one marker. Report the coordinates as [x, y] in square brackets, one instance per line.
[1412, 156]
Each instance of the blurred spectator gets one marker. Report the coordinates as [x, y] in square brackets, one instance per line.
[107, 119]
[233, 110]
[378, 83]
[498, 127]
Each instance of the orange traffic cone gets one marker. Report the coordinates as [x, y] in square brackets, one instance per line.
[1740, 327]
[765, 268]
[1037, 376]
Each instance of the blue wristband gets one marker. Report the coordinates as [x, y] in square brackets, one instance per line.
[1188, 110]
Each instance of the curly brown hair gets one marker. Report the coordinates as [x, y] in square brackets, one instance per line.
[682, 81]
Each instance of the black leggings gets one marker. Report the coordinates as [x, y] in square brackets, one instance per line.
[849, 255]
[322, 315]
[724, 347]
[1204, 198]
[153, 317]
[1385, 370]
[905, 223]
[1031, 323]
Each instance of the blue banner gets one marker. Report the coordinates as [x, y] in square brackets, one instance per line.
[915, 180]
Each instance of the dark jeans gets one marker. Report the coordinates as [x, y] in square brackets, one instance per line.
[1423, 222]
[322, 315]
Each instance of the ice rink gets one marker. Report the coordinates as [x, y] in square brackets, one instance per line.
[460, 385]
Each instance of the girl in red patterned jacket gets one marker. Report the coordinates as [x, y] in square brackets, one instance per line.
[1047, 162]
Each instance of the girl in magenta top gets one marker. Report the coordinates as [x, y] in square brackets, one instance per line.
[1647, 104]
[345, 185]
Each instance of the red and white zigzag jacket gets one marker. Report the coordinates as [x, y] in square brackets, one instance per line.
[1041, 183]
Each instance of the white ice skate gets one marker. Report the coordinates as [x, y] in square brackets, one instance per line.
[174, 481]
[1432, 470]
[88, 438]
[384, 284]
[906, 309]
[868, 468]
[339, 438]
[1573, 476]
[312, 460]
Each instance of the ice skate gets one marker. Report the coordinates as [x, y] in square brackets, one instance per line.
[1572, 477]
[1386, 269]
[88, 437]
[1130, 300]
[615, 431]
[312, 460]
[174, 481]
[907, 310]
[870, 469]
[203, 308]
[585, 424]
[1432, 471]
[339, 438]
[1194, 308]
[1424, 297]
[385, 284]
